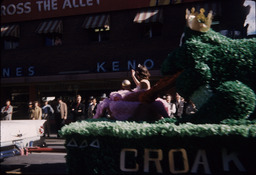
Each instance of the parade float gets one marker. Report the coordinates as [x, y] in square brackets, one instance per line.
[218, 74]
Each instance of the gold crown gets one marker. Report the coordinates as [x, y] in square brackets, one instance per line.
[197, 21]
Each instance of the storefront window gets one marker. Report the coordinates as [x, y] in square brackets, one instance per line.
[151, 30]
[98, 27]
[53, 40]
[99, 34]
[8, 44]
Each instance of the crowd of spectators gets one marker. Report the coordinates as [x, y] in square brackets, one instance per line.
[63, 112]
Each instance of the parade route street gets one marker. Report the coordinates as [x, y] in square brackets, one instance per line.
[38, 162]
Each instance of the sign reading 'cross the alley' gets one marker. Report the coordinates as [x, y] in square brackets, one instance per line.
[22, 10]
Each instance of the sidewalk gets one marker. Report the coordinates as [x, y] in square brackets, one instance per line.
[54, 142]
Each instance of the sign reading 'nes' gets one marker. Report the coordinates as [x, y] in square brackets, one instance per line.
[22, 10]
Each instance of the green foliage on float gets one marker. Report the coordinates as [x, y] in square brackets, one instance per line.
[126, 129]
[226, 66]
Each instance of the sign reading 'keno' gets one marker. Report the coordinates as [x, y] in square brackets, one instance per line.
[21, 10]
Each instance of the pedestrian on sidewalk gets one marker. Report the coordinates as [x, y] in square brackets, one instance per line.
[61, 115]
[36, 112]
[47, 111]
[7, 111]
[78, 109]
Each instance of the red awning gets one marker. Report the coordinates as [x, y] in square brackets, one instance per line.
[10, 30]
[52, 26]
[148, 16]
[97, 21]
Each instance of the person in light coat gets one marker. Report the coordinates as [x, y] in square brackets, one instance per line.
[172, 107]
[36, 113]
[7, 111]
[61, 114]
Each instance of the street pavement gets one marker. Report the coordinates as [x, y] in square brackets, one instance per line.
[38, 162]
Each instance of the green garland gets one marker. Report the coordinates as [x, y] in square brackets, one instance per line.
[238, 122]
[125, 129]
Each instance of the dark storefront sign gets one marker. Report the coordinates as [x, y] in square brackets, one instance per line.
[22, 10]
[100, 67]
[115, 65]
[18, 71]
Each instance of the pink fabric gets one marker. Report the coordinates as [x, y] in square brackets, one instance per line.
[166, 105]
[119, 95]
[103, 105]
[120, 108]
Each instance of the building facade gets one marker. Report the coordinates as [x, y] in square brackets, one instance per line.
[63, 48]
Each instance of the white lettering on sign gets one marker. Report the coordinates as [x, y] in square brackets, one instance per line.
[39, 5]
[89, 2]
[78, 3]
[20, 9]
[12, 9]
[66, 4]
[44, 6]
[184, 158]
[74, 4]
[47, 5]
[156, 161]
[155, 157]
[131, 64]
[227, 158]
[122, 160]
[201, 155]
[19, 72]
[81, 3]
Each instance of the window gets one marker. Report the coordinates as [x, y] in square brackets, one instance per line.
[51, 31]
[10, 44]
[98, 27]
[150, 21]
[151, 30]
[10, 36]
[99, 34]
[53, 39]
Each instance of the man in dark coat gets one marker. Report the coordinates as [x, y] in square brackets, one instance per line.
[78, 109]
[179, 106]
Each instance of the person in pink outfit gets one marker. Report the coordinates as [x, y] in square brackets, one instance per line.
[125, 105]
